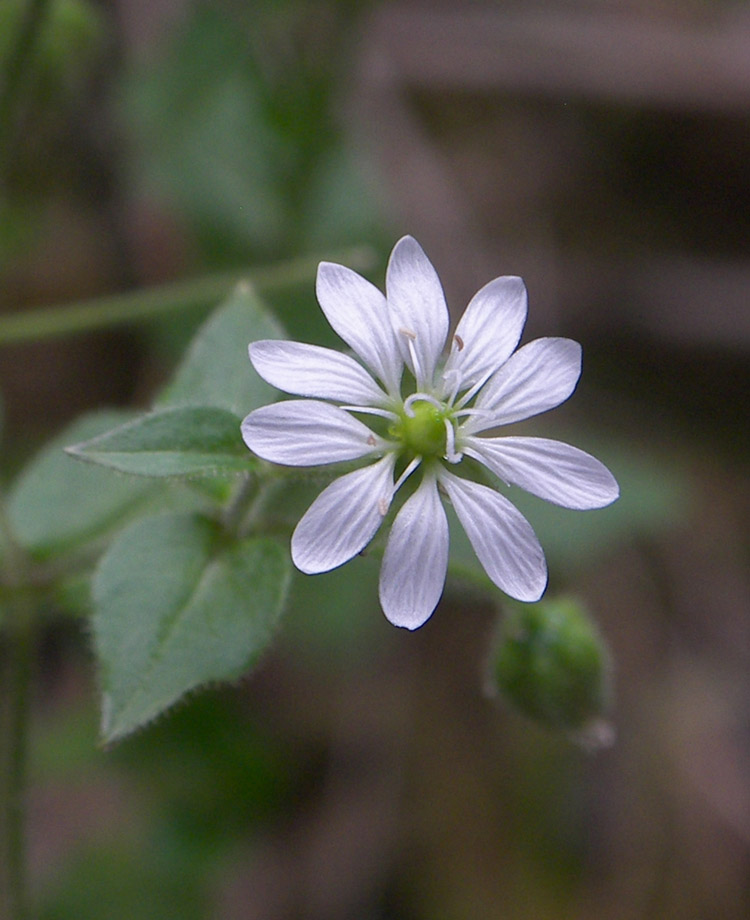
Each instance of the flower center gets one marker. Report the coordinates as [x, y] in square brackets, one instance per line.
[422, 434]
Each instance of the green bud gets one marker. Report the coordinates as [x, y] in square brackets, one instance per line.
[553, 665]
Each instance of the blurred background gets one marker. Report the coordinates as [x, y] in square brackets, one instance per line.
[601, 150]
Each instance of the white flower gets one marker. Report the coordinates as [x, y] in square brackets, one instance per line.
[443, 419]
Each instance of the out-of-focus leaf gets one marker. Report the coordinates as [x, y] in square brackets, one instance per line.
[203, 137]
[235, 127]
[175, 608]
[172, 442]
[216, 370]
[341, 204]
[58, 502]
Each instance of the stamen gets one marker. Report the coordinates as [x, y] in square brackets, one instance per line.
[371, 410]
[453, 379]
[410, 339]
[371, 441]
[451, 455]
[383, 505]
[470, 394]
[471, 419]
[459, 342]
[406, 474]
[420, 397]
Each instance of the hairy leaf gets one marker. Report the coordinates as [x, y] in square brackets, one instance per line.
[175, 608]
[185, 441]
[57, 503]
[216, 370]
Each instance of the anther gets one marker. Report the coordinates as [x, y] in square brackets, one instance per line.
[408, 333]
[382, 507]
[459, 342]
[371, 441]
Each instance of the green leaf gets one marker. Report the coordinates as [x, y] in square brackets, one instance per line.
[194, 440]
[57, 503]
[203, 134]
[175, 607]
[216, 370]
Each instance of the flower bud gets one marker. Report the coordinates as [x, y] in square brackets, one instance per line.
[553, 665]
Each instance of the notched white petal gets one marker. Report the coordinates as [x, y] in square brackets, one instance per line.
[417, 304]
[343, 518]
[502, 538]
[553, 470]
[538, 377]
[304, 432]
[489, 331]
[412, 576]
[358, 312]
[309, 370]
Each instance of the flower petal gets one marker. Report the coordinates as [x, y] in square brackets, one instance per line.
[558, 472]
[488, 332]
[418, 309]
[304, 432]
[501, 536]
[358, 312]
[309, 370]
[538, 377]
[343, 518]
[412, 576]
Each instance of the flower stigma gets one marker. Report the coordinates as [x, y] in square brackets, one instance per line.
[422, 429]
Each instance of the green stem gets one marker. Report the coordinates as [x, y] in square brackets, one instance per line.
[118, 309]
[16, 656]
[243, 497]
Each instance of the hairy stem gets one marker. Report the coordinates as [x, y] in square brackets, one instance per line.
[237, 508]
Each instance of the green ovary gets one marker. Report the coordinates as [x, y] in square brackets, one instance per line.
[423, 434]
